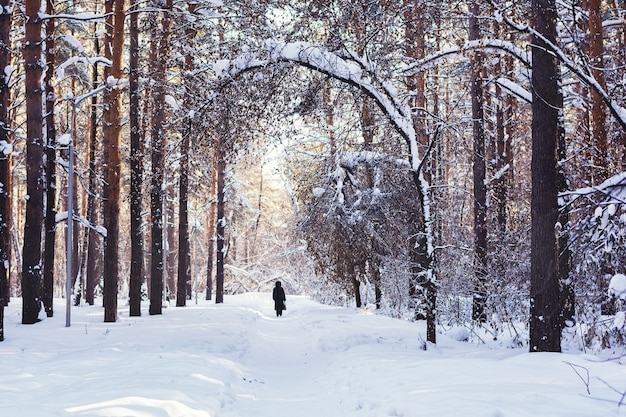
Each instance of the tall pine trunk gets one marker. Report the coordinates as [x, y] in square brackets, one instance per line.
[212, 213]
[5, 162]
[31, 254]
[136, 171]
[93, 249]
[545, 322]
[479, 172]
[184, 253]
[221, 220]
[158, 154]
[111, 148]
[184, 248]
[600, 159]
[50, 222]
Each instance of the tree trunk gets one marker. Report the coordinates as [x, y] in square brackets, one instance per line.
[211, 231]
[479, 171]
[184, 253]
[600, 159]
[416, 49]
[114, 42]
[5, 163]
[184, 289]
[93, 250]
[545, 323]
[31, 254]
[170, 235]
[356, 286]
[567, 295]
[503, 151]
[158, 154]
[136, 171]
[420, 256]
[50, 221]
[221, 220]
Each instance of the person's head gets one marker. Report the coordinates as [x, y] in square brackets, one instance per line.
[278, 283]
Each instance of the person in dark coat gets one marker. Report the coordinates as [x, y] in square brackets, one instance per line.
[279, 299]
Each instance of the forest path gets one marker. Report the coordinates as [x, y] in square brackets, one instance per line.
[289, 362]
[237, 359]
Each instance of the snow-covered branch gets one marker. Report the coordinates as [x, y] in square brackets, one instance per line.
[83, 17]
[320, 59]
[360, 73]
[60, 70]
[583, 74]
[614, 190]
[482, 44]
[515, 89]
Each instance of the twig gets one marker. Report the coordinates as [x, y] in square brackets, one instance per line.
[585, 380]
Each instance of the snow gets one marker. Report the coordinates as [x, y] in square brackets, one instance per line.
[221, 67]
[8, 71]
[61, 216]
[116, 83]
[64, 139]
[619, 320]
[515, 89]
[73, 42]
[75, 60]
[617, 286]
[171, 101]
[84, 16]
[6, 148]
[237, 359]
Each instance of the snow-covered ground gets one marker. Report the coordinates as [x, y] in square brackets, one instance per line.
[238, 359]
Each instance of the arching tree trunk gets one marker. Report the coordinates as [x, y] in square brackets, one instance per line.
[420, 256]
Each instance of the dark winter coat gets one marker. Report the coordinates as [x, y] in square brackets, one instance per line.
[279, 298]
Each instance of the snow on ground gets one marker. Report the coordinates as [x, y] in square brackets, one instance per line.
[238, 360]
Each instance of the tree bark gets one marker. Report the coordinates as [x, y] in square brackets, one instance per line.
[600, 159]
[221, 220]
[5, 162]
[184, 248]
[114, 43]
[50, 221]
[171, 253]
[93, 250]
[31, 258]
[184, 253]
[545, 323]
[211, 231]
[414, 38]
[479, 171]
[158, 154]
[136, 171]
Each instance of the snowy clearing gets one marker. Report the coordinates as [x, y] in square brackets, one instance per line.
[238, 359]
